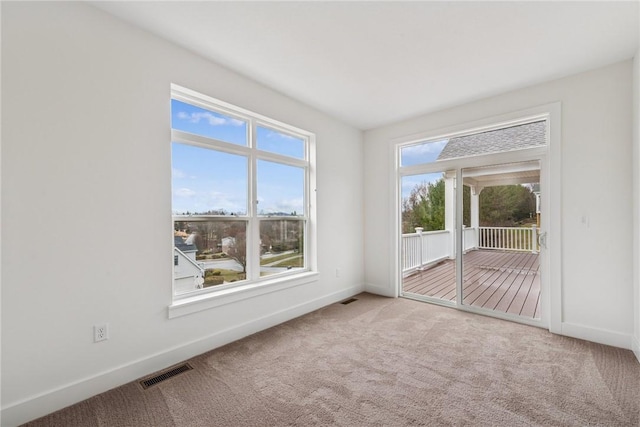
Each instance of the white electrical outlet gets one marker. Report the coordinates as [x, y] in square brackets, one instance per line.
[100, 332]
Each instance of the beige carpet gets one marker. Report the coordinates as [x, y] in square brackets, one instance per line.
[384, 362]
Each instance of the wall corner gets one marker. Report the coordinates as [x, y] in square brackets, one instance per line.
[636, 202]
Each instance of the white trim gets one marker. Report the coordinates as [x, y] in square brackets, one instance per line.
[395, 243]
[635, 159]
[538, 323]
[310, 250]
[601, 336]
[209, 142]
[552, 257]
[1, 175]
[240, 150]
[205, 301]
[458, 210]
[253, 227]
[501, 121]
[384, 291]
[41, 404]
[431, 300]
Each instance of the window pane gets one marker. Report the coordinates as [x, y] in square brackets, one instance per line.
[428, 244]
[418, 154]
[280, 189]
[196, 120]
[208, 253]
[281, 246]
[280, 143]
[206, 181]
[495, 141]
[423, 202]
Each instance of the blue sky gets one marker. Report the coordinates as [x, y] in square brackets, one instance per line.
[409, 182]
[418, 154]
[204, 179]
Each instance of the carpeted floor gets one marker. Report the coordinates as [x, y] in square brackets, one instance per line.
[384, 362]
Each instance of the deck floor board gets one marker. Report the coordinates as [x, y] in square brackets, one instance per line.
[508, 282]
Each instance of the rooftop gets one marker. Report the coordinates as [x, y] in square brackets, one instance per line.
[506, 139]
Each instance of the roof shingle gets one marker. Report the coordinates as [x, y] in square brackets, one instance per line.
[495, 141]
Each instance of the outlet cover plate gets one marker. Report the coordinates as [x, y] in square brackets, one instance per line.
[100, 332]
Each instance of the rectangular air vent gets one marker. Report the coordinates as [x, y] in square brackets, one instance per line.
[165, 375]
[349, 301]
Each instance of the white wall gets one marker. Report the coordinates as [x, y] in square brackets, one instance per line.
[636, 202]
[86, 183]
[596, 173]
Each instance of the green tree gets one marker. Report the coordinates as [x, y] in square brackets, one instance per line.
[500, 206]
[506, 205]
[424, 207]
[466, 206]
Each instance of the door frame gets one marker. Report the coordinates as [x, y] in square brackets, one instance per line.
[550, 164]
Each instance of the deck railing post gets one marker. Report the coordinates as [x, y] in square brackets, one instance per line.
[419, 231]
[464, 249]
[534, 239]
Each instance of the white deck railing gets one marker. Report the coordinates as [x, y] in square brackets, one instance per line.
[508, 238]
[433, 246]
[469, 239]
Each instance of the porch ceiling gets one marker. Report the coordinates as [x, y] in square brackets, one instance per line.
[510, 174]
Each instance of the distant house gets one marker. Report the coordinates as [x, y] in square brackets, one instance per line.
[227, 243]
[187, 273]
[186, 246]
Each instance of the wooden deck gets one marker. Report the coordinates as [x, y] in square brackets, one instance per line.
[498, 280]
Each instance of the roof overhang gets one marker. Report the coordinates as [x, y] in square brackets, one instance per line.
[509, 174]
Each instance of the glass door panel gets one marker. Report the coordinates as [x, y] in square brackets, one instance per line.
[501, 219]
[428, 236]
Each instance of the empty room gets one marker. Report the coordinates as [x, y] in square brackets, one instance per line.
[320, 213]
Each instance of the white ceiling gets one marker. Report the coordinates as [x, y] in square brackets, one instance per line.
[373, 63]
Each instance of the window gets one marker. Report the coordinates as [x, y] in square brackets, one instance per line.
[240, 196]
[518, 137]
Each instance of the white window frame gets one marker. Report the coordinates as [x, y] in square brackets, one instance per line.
[254, 284]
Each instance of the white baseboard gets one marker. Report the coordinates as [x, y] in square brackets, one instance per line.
[359, 289]
[378, 290]
[69, 394]
[636, 347]
[601, 336]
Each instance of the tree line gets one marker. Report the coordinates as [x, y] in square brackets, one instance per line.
[500, 206]
[276, 235]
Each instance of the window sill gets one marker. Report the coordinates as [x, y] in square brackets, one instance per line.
[214, 299]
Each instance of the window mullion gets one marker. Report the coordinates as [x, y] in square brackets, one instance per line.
[206, 142]
[253, 242]
[273, 157]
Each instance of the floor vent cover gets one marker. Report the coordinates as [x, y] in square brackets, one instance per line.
[349, 301]
[165, 375]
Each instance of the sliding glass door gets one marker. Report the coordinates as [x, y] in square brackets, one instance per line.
[470, 220]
